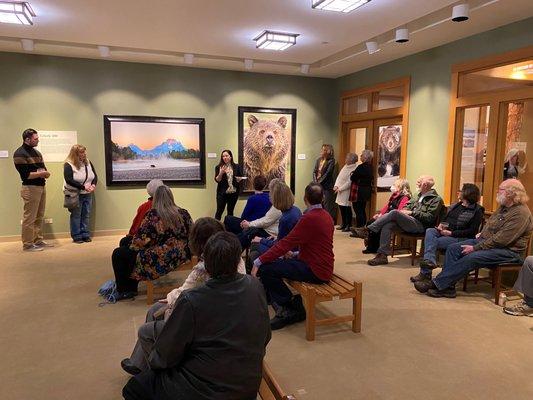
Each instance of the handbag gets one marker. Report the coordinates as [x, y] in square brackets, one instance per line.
[72, 198]
[354, 188]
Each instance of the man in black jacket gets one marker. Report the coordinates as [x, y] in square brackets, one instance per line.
[213, 344]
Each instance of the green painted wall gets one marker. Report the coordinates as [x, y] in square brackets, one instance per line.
[52, 93]
[430, 73]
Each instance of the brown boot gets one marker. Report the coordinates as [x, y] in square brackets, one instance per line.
[379, 259]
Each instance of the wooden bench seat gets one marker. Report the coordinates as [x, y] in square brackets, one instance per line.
[337, 288]
[269, 388]
[163, 286]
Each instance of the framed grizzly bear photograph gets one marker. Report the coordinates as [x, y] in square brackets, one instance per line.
[267, 144]
[389, 152]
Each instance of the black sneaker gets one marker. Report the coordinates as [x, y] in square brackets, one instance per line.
[450, 293]
[126, 295]
[127, 366]
[369, 251]
[87, 239]
[420, 277]
[78, 241]
[424, 286]
[427, 264]
[297, 306]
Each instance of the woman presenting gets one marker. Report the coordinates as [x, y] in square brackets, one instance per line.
[228, 175]
[80, 176]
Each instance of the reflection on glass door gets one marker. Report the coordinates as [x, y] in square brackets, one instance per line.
[474, 146]
[357, 141]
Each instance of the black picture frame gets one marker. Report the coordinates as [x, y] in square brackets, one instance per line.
[274, 116]
[116, 155]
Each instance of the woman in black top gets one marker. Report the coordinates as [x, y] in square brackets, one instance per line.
[228, 176]
[363, 177]
[323, 175]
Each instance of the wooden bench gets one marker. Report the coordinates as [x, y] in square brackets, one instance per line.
[336, 289]
[269, 388]
[153, 288]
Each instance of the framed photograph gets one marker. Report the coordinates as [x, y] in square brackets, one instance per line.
[389, 151]
[267, 144]
[138, 149]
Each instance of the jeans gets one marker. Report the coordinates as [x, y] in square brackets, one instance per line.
[226, 198]
[433, 242]
[272, 274]
[524, 282]
[457, 265]
[79, 218]
[394, 220]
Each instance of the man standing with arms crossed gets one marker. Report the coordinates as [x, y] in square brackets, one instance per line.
[30, 165]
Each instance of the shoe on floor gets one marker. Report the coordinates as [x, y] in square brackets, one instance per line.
[379, 259]
[127, 366]
[87, 239]
[450, 293]
[420, 277]
[42, 243]
[126, 295]
[424, 286]
[520, 310]
[78, 241]
[347, 229]
[32, 248]
[369, 251]
[340, 228]
[427, 264]
[361, 232]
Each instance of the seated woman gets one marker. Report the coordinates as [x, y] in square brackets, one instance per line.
[213, 344]
[256, 207]
[462, 221]
[401, 194]
[282, 199]
[160, 245]
[201, 231]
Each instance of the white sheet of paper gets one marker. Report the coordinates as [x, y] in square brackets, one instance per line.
[55, 145]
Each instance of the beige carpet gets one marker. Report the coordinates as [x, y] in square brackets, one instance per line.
[56, 343]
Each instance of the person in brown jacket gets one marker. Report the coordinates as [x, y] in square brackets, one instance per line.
[503, 239]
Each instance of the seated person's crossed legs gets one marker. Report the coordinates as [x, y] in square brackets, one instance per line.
[524, 285]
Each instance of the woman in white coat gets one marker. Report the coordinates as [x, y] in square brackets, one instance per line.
[342, 188]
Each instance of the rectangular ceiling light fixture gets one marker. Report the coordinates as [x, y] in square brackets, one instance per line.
[344, 6]
[16, 13]
[271, 40]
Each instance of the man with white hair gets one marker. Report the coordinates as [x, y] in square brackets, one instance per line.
[420, 213]
[503, 239]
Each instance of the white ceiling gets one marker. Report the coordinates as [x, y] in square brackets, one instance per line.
[220, 32]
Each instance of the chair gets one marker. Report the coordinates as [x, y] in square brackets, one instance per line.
[269, 388]
[162, 287]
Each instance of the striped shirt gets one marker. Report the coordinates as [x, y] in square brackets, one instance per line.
[27, 160]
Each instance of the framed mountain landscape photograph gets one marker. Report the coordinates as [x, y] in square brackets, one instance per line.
[138, 149]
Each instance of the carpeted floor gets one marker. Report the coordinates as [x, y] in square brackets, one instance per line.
[57, 343]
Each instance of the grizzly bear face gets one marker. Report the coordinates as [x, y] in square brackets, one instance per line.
[266, 146]
[390, 139]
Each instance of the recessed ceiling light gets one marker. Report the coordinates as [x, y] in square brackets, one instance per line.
[344, 6]
[402, 35]
[304, 69]
[16, 13]
[104, 51]
[460, 12]
[248, 63]
[188, 58]
[27, 44]
[372, 47]
[271, 40]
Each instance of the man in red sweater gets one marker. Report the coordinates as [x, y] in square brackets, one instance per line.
[313, 235]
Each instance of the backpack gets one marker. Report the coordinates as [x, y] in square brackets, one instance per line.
[109, 292]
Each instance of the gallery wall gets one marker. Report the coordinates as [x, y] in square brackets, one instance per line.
[430, 73]
[52, 93]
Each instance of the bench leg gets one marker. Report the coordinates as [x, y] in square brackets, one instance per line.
[310, 317]
[149, 293]
[357, 307]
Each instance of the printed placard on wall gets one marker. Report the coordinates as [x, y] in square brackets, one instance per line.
[389, 150]
[55, 145]
[267, 144]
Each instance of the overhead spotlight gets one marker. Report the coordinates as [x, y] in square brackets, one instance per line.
[188, 58]
[27, 44]
[304, 69]
[460, 12]
[372, 47]
[104, 51]
[402, 35]
[271, 40]
[248, 63]
[19, 12]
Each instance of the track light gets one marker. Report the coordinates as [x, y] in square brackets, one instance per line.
[402, 35]
[304, 69]
[372, 47]
[188, 58]
[460, 12]
[27, 44]
[104, 51]
[248, 63]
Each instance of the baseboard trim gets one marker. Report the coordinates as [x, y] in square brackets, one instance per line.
[65, 235]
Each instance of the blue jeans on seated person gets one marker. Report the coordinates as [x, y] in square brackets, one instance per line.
[79, 218]
[272, 274]
[457, 265]
[432, 242]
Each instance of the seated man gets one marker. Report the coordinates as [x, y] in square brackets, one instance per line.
[503, 239]
[420, 213]
[256, 207]
[524, 285]
[313, 235]
[213, 344]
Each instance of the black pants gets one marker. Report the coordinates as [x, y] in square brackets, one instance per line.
[346, 215]
[372, 243]
[246, 236]
[359, 207]
[226, 198]
[329, 203]
[233, 224]
[123, 260]
[125, 241]
[140, 387]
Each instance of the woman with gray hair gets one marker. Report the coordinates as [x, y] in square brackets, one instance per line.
[342, 188]
[362, 179]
